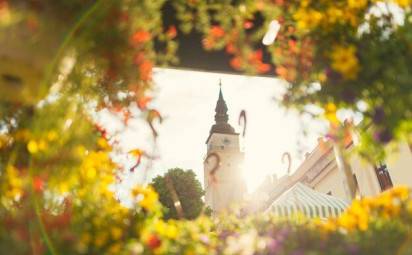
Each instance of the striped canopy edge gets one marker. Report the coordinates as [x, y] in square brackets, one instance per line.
[301, 199]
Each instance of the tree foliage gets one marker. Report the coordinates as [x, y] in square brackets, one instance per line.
[188, 189]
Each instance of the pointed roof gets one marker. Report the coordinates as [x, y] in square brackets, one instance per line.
[221, 125]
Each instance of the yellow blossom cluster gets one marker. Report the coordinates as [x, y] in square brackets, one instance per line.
[13, 184]
[40, 145]
[330, 113]
[146, 197]
[403, 3]
[358, 216]
[309, 15]
[344, 61]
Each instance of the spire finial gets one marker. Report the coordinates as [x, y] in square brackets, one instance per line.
[220, 90]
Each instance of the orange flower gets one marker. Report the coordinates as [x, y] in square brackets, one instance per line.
[138, 58]
[293, 46]
[140, 37]
[236, 63]
[145, 70]
[256, 56]
[217, 31]
[153, 241]
[208, 43]
[263, 68]
[143, 101]
[171, 32]
[230, 48]
[282, 72]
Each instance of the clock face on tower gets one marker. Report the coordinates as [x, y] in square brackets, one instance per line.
[226, 141]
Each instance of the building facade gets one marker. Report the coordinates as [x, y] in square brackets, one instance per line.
[320, 172]
[224, 186]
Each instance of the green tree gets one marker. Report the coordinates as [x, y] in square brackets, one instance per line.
[188, 192]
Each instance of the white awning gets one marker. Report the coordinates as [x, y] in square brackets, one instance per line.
[300, 199]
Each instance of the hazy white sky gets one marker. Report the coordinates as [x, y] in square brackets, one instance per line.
[187, 99]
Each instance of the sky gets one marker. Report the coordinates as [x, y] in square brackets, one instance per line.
[187, 99]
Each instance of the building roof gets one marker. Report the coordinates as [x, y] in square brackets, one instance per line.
[221, 125]
[302, 199]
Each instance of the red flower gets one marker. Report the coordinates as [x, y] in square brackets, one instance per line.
[247, 25]
[256, 56]
[171, 32]
[153, 242]
[140, 37]
[38, 184]
[124, 17]
[217, 31]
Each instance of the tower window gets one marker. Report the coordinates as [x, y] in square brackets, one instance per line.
[384, 178]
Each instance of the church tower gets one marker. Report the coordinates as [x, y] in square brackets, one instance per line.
[224, 185]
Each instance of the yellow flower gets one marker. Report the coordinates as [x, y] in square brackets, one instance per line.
[85, 238]
[32, 147]
[357, 4]
[330, 113]
[409, 206]
[4, 140]
[91, 173]
[136, 152]
[307, 18]
[329, 226]
[401, 192]
[116, 233]
[103, 144]
[149, 197]
[334, 14]
[403, 3]
[344, 61]
[100, 239]
[52, 135]
[115, 248]
[347, 221]
[322, 77]
[168, 229]
[42, 145]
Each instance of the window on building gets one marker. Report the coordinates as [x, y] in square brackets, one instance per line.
[384, 178]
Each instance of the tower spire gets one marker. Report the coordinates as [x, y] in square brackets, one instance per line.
[221, 117]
